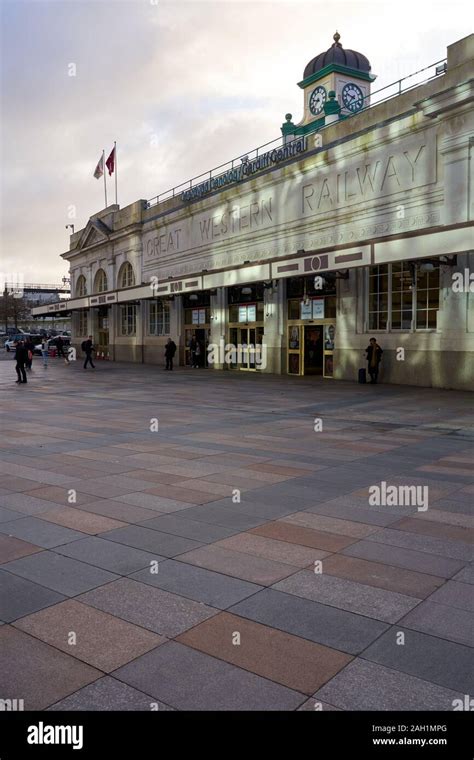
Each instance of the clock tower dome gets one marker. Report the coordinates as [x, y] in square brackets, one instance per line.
[335, 78]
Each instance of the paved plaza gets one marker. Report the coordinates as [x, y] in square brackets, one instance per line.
[236, 557]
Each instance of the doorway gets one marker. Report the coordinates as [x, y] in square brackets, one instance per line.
[313, 349]
[247, 342]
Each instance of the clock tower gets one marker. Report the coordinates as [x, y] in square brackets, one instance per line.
[334, 82]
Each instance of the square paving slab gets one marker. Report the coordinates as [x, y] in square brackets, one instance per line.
[296, 663]
[317, 622]
[108, 694]
[109, 555]
[46, 675]
[197, 583]
[152, 608]
[62, 574]
[205, 683]
[101, 640]
[21, 597]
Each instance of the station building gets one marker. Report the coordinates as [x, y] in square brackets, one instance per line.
[356, 223]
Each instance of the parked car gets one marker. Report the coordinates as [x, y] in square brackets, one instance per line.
[52, 342]
[10, 343]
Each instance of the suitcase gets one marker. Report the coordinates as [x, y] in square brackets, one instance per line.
[362, 375]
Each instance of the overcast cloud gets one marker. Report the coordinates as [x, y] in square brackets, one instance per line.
[181, 86]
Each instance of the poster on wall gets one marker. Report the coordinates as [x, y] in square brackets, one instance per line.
[329, 336]
[243, 314]
[252, 312]
[202, 316]
[318, 308]
[195, 316]
[306, 311]
[294, 337]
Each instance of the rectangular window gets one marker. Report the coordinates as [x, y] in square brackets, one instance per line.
[403, 296]
[427, 298]
[159, 318]
[378, 297]
[82, 326]
[128, 320]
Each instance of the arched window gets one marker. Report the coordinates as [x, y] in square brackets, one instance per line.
[126, 275]
[100, 282]
[81, 286]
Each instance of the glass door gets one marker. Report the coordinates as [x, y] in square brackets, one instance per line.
[295, 365]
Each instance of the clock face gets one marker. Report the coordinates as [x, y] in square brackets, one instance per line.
[352, 97]
[317, 100]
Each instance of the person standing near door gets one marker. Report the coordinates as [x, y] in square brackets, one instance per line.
[88, 348]
[21, 356]
[374, 357]
[170, 350]
[192, 351]
[198, 353]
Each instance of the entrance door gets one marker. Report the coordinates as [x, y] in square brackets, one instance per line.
[313, 349]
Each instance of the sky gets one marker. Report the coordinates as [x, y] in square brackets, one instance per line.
[181, 86]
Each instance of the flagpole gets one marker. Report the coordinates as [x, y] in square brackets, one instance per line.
[105, 181]
[115, 154]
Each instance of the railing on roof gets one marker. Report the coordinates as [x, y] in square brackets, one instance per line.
[389, 91]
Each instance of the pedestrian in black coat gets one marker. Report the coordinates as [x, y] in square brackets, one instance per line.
[21, 356]
[170, 350]
[374, 357]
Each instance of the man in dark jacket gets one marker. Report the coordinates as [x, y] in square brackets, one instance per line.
[21, 356]
[60, 346]
[374, 356]
[30, 348]
[170, 350]
[88, 348]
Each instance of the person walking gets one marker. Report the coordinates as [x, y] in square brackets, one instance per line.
[170, 350]
[21, 356]
[88, 348]
[198, 354]
[60, 346]
[45, 351]
[374, 357]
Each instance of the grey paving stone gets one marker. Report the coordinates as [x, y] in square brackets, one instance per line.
[21, 597]
[199, 531]
[455, 594]
[152, 541]
[155, 503]
[250, 505]
[152, 608]
[109, 555]
[444, 567]
[108, 694]
[197, 583]
[204, 683]
[440, 620]
[227, 518]
[364, 685]
[466, 575]
[353, 513]
[62, 574]
[422, 543]
[39, 532]
[317, 622]
[28, 505]
[428, 657]
[7, 515]
[373, 602]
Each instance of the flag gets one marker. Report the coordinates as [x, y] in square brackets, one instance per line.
[99, 169]
[110, 163]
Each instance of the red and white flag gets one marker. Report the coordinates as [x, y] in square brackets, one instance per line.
[110, 163]
[99, 169]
